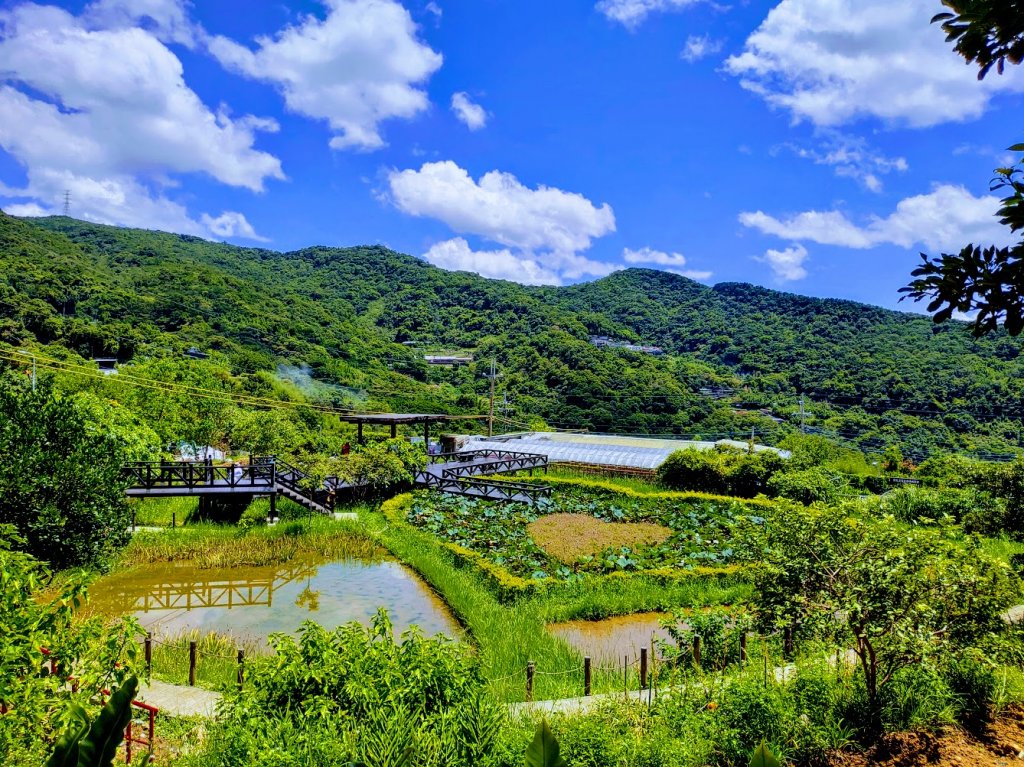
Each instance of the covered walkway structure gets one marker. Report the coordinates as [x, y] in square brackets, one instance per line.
[394, 420]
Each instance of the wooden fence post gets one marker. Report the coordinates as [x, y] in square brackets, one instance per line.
[586, 676]
[174, 519]
[743, 647]
[696, 651]
[192, 647]
[530, 669]
[787, 642]
[241, 668]
[643, 668]
[149, 652]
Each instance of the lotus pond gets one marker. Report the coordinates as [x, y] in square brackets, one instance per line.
[645, 533]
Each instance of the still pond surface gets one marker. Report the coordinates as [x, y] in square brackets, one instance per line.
[253, 602]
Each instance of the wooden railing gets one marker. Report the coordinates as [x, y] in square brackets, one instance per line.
[186, 474]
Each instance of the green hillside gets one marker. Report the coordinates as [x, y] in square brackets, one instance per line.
[348, 327]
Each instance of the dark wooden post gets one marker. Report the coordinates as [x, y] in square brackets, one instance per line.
[192, 663]
[133, 520]
[586, 676]
[696, 651]
[643, 668]
[149, 652]
[787, 642]
[426, 435]
[241, 668]
[743, 647]
[394, 431]
[359, 432]
[273, 506]
[174, 519]
[530, 669]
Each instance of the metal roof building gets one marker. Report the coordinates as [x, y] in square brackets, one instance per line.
[600, 449]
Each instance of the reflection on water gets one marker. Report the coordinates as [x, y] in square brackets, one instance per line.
[607, 641]
[257, 601]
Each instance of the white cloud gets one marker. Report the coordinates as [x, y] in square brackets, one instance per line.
[167, 20]
[230, 224]
[360, 65]
[106, 114]
[698, 47]
[632, 13]
[835, 61]
[946, 219]
[544, 226]
[672, 262]
[434, 9]
[455, 255]
[500, 208]
[852, 157]
[472, 115]
[788, 264]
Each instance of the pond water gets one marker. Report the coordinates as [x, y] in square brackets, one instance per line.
[609, 640]
[253, 602]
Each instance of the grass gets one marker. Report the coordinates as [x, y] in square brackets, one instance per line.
[160, 512]
[636, 484]
[210, 546]
[508, 637]
[1001, 548]
[216, 658]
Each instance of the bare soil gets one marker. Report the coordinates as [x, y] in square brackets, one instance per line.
[567, 537]
[999, 743]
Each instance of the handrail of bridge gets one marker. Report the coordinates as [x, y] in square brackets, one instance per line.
[499, 465]
[154, 474]
[469, 455]
[292, 478]
[495, 491]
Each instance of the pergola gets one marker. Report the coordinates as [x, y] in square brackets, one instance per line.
[395, 419]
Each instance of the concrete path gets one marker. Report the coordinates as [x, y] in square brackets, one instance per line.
[176, 700]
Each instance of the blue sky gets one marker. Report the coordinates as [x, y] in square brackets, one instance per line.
[810, 145]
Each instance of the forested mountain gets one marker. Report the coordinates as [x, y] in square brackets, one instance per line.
[359, 320]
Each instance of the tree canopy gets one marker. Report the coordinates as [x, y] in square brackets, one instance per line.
[985, 279]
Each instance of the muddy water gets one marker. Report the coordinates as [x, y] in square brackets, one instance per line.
[253, 602]
[607, 641]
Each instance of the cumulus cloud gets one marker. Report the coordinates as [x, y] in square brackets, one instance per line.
[836, 61]
[545, 226]
[698, 47]
[670, 262]
[632, 13]
[456, 256]
[788, 264]
[67, 121]
[946, 219]
[500, 208]
[167, 20]
[472, 115]
[360, 65]
[852, 157]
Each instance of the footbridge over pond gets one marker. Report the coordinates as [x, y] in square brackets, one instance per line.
[461, 473]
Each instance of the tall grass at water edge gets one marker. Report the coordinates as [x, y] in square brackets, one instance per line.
[510, 636]
[212, 546]
[161, 512]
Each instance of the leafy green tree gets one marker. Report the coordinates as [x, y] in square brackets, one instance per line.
[816, 485]
[988, 280]
[60, 480]
[902, 597]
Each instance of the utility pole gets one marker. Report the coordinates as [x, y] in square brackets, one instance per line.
[490, 416]
[801, 413]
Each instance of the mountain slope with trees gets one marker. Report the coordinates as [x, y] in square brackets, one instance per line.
[349, 327]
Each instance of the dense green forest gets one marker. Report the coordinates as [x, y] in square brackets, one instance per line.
[348, 327]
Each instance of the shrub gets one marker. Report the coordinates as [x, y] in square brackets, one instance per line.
[692, 469]
[916, 696]
[808, 486]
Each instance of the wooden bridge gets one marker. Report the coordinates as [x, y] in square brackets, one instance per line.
[264, 475]
[458, 473]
